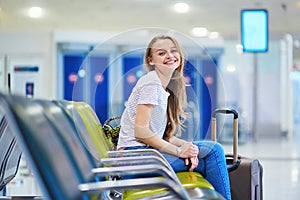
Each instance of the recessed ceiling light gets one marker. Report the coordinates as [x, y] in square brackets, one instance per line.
[214, 35]
[230, 68]
[239, 48]
[200, 32]
[35, 12]
[181, 7]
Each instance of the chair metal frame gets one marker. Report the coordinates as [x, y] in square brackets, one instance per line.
[78, 110]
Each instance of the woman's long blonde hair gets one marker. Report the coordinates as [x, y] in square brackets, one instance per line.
[176, 88]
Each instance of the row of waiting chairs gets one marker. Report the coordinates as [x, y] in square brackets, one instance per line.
[10, 153]
[71, 158]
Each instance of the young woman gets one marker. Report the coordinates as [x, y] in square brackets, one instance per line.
[154, 111]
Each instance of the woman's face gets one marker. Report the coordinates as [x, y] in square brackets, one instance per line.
[165, 55]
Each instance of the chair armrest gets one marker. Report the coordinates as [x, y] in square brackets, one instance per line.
[133, 160]
[136, 170]
[177, 190]
[138, 160]
[140, 152]
[136, 152]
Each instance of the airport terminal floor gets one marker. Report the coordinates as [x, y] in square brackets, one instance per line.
[280, 158]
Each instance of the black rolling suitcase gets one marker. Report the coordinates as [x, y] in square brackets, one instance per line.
[245, 174]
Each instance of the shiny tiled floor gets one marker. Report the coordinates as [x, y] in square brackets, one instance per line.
[280, 158]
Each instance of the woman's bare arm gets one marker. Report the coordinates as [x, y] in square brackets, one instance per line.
[143, 133]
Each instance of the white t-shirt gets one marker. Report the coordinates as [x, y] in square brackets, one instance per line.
[148, 90]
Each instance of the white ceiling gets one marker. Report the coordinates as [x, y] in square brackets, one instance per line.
[222, 16]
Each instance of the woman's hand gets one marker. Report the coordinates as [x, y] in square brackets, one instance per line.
[192, 163]
[189, 150]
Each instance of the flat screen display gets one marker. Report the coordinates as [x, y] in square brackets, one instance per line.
[254, 30]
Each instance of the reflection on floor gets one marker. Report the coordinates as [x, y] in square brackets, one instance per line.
[280, 157]
[24, 184]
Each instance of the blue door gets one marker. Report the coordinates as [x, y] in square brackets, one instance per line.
[73, 84]
[98, 86]
[208, 94]
[86, 79]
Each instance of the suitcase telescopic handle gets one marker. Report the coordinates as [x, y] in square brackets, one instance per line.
[235, 128]
[225, 111]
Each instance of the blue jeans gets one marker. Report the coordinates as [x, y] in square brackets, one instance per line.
[212, 165]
